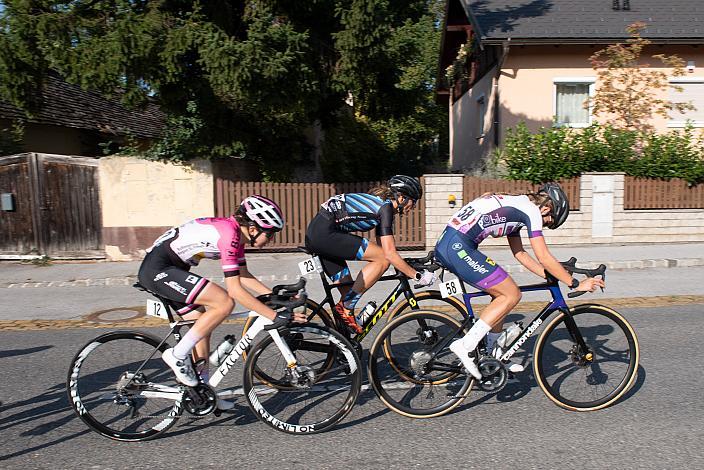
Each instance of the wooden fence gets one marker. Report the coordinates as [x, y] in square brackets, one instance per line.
[474, 187]
[643, 193]
[300, 202]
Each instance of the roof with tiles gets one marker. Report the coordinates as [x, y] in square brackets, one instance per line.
[69, 105]
[586, 20]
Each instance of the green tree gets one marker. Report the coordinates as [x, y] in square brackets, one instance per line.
[240, 78]
[629, 92]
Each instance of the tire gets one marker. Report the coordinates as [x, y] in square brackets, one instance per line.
[573, 381]
[317, 402]
[431, 300]
[120, 411]
[414, 393]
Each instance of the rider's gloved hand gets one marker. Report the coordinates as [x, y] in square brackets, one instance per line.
[426, 278]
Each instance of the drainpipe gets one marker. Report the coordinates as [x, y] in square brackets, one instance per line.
[497, 117]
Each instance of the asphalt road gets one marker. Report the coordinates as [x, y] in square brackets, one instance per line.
[657, 425]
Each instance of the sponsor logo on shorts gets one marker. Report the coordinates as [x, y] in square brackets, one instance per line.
[192, 279]
[160, 276]
[477, 267]
[177, 287]
[456, 246]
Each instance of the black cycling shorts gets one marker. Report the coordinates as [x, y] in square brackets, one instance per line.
[333, 246]
[175, 283]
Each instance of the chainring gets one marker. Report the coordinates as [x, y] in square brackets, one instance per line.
[494, 374]
[200, 400]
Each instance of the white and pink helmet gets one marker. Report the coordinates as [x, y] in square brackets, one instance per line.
[262, 212]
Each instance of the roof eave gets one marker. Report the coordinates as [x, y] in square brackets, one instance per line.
[586, 41]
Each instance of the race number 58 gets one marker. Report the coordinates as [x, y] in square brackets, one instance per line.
[450, 288]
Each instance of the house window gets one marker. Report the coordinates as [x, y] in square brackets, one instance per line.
[571, 96]
[693, 93]
[481, 116]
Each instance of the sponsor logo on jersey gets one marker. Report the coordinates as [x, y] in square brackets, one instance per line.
[160, 276]
[491, 219]
[456, 246]
[192, 279]
[177, 287]
[476, 266]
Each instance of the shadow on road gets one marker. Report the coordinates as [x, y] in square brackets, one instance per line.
[22, 352]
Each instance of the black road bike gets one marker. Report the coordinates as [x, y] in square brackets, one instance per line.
[410, 301]
[307, 376]
[585, 359]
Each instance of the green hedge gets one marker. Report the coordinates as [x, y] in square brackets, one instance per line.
[560, 152]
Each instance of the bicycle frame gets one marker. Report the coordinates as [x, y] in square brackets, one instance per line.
[403, 287]
[557, 304]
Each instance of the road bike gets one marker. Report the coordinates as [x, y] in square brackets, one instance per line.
[411, 300]
[585, 358]
[121, 388]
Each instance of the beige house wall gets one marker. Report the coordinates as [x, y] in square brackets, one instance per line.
[140, 199]
[527, 89]
[469, 141]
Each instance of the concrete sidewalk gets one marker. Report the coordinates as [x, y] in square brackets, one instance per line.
[282, 267]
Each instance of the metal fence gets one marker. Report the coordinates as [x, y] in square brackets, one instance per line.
[300, 202]
[474, 187]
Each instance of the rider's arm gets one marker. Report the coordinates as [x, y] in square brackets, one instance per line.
[524, 257]
[556, 269]
[389, 246]
[251, 282]
[236, 290]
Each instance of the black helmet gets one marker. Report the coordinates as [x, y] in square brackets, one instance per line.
[407, 186]
[560, 204]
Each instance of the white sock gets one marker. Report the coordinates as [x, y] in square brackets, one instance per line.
[476, 333]
[184, 347]
[491, 338]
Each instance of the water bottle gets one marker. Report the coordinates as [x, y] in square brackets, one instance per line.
[217, 356]
[366, 312]
[506, 338]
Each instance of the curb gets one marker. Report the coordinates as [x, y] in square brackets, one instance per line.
[509, 268]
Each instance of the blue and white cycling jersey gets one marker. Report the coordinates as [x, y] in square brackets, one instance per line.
[497, 216]
[360, 212]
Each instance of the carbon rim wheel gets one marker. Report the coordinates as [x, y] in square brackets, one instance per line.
[112, 397]
[311, 397]
[409, 385]
[587, 380]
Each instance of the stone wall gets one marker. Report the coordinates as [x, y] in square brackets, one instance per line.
[600, 219]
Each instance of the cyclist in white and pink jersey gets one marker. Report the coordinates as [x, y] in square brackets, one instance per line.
[166, 271]
[497, 215]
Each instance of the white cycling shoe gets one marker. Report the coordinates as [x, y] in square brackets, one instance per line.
[468, 361]
[181, 367]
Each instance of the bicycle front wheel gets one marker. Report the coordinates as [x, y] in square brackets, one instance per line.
[591, 379]
[408, 375]
[311, 396]
[119, 386]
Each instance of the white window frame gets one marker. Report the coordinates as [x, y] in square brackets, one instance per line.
[671, 123]
[481, 116]
[567, 80]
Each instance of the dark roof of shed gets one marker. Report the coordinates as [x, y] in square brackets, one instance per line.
[69, 105]
[585, 20]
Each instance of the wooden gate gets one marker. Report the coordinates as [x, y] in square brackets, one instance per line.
[300, 202]
[56, 206]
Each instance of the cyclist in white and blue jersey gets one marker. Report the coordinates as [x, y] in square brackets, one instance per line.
[329, 235]
[499, 215]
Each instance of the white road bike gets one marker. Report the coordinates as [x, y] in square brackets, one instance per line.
[300, 379]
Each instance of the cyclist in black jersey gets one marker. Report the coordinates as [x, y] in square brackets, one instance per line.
[329, 235]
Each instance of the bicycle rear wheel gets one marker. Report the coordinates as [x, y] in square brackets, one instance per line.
[308, 398]
[119, 395]
[588, 380]
[405, 373]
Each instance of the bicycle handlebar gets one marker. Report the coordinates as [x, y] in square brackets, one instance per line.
[427, 262]
[569, 265]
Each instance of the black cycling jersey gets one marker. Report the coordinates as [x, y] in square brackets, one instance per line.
[360, 212]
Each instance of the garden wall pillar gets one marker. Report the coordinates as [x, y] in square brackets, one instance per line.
[438, 189]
